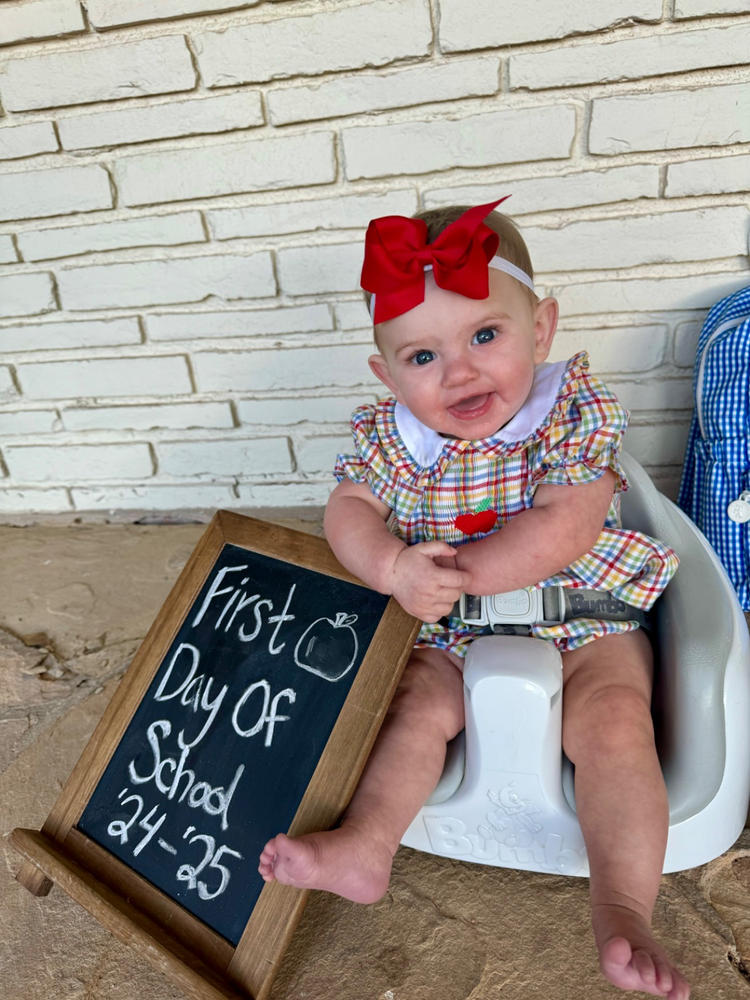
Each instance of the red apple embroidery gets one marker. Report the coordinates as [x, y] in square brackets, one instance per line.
[481, 520]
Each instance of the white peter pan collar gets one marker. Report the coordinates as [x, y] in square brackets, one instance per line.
[425, 444]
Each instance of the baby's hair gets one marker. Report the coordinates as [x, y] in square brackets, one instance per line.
[512, 245]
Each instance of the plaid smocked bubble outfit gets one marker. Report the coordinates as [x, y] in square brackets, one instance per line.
[568, 432]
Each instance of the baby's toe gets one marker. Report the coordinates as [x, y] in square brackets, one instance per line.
[680, 987]
[267, 861]
[644, 965]
[665, 975]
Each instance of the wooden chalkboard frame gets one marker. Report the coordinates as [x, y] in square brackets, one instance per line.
[200, 961]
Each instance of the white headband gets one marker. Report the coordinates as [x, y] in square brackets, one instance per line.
[499, 263]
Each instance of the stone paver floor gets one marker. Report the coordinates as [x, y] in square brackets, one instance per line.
[76, 602]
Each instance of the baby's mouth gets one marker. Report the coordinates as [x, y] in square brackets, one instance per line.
[471, 407]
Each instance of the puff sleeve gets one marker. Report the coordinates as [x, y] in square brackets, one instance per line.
[369, 463]
[585, 438]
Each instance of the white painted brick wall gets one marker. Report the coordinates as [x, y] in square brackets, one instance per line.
[14, 504]
[417, 147]
[239, 323]
[719, 175]
[669, 394]
[266, 371]
[699, 234]
[631, 59]
[574, 190]
[299, 409]
[46, 463]
[27, 422]
[344, 212]
[26, 294]
[175, 417]
[103, 73]
[718, 116]
[18, 141]
[57, 191]
[165, 120]
[111, 13]
[349, 95]
[697, 291]
[475, 24]
[646, 347]
[227, 459]
[209, 170]
[705, 8]
[184, 187]
[7, 250]
[147, 231]
[188, 279]
[661, 444]
[53, 336]
[104, 377]
[168, 497]
[40, 19]
[304, 495]
[7, 387]
[368, 34]
[314, 454]
[331, 268]
[354, 315]
[686, 341]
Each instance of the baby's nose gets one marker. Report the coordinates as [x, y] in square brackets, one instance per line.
[460, 370]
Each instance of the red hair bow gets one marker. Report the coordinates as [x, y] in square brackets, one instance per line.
[397, 252]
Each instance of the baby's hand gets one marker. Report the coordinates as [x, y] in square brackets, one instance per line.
[421, 586]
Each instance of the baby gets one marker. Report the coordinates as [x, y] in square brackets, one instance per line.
[479, 424]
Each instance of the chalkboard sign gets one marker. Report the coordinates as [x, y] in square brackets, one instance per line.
[249, 710]
[220, 751]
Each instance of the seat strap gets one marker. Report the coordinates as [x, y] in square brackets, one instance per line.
[543, 606]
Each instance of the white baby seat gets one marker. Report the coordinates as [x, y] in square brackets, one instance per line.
[506, 794]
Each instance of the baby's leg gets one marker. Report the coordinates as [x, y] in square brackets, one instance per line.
[622, 805]
[354, 860]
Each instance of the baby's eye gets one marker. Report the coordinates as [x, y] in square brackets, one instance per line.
[422, 357]
[484, 336]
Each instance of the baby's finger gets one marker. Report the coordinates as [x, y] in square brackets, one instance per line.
[437, 604]
[446, 602]
[454, 579]
[435, 548]
[433, 614]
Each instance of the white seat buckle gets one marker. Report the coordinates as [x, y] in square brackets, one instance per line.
[528, 606]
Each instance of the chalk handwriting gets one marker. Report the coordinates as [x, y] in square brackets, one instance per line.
[268, 715]
[167, 767]
[243, 601]
[210, 860]
[198, 794]
[190, 690]
[121, 829]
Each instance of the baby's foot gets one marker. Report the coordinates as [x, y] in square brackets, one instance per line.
[630, 957]
[339, 861]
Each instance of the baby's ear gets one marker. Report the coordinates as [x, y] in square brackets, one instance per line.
[545, 324]
[379, 368]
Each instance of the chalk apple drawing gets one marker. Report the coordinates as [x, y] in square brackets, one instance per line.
[328, 647]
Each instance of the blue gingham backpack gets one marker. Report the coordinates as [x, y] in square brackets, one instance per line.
[715, 488]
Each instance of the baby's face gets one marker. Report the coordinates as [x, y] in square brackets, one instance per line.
[465, 367]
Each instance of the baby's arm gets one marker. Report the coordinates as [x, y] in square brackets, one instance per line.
[355, 526]
[563, 525]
